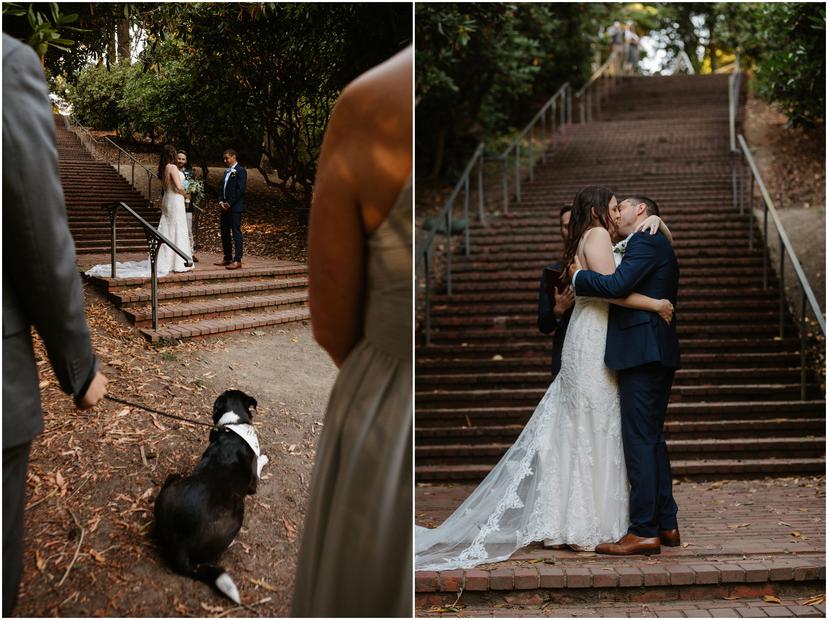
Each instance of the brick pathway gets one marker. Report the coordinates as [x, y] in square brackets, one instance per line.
[787, 608]
[741, 539]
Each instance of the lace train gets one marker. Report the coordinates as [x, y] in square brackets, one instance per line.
[564, 478]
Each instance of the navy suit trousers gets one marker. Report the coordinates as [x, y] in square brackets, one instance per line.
[231, 223]
[644, 392]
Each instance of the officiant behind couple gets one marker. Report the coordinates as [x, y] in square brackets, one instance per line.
[590, 469]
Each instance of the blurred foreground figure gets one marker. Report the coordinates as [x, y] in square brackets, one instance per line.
[356, 545]
[41, 288]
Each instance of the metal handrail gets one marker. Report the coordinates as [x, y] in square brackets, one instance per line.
[564, 94]
[423, 253]
[785, 247]
[585, 103]
[154, 240]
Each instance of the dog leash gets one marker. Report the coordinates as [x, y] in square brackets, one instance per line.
[166, 415]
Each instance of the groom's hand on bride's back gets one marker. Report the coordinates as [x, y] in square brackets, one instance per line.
[574, 267]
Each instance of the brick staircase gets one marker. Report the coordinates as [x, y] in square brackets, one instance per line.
[88, 183]
[735, 408]
[208, 300]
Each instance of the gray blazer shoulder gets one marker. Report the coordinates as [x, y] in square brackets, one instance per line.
[41, 284]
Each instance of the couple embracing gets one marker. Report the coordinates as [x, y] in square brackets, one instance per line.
[590, 469]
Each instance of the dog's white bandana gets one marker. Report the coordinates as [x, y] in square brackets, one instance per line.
[232, 422]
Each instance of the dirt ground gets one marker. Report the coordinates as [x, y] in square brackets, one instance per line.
[94, 475]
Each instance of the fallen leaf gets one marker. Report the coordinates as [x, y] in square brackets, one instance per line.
[99, 558]
[61, 483]
[43, 384]
[819, 599]
[497, 358]
[212, 608]
[289, 528]
[769, 598]
[783, 523]
[796, 534]
[40, 563]
[736, 526]
[263, 584]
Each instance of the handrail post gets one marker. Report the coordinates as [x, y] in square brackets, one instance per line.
[741, 185]
[480, 201]
[427, 298]
[781, 288]
[530, 136]
[448, 248]
[133, 174]
[504, 176]
[113, 218]
[802, 356]
[153, 256]
[765, 249]
[466, 211]
[517, 171]
[553, 117]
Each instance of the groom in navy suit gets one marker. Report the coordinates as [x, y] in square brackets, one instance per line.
[644, 350]
[231, 201]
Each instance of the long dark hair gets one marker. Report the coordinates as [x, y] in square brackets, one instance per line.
[168, 154]
[589, 198]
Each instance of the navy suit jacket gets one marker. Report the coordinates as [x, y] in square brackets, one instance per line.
[234, 193]
[638, 337]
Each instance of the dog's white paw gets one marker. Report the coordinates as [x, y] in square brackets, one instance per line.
[263, 460]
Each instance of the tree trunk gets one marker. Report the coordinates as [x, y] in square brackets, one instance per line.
[439, 152]
[111, 49]
[124, 48]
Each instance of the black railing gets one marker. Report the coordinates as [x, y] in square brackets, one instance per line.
[154, 241]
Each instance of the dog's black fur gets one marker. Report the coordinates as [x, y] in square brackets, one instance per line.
[198, 516]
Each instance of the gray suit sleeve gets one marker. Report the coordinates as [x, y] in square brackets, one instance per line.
[38, 250]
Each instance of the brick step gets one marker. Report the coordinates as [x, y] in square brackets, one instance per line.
[531, 309]
[685, 317]
[477, 350]
[691, 230]
[541, 379]
[201, 275]
[733, 284]
[679, 449]
[214, 289]
[691, 248]
[685, 332]
[701, 467]
[667, 586]
[493, 271]
[104, 245]
[523, 291]
[543, 256]
[703, 429]
[142, 317]
[543, 220]
[541, 363]
[515, 397]
[484, 415]
[208, 327]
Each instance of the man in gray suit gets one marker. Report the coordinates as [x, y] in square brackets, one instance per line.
[41, 289]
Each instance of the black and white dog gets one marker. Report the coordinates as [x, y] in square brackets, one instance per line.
[198, 516]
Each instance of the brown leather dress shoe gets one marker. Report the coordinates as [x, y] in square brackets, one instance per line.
[670, 538]
[631, 545]
[234, 265]
[222, 263]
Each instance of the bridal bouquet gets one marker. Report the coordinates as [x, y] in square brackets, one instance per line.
[196, 190]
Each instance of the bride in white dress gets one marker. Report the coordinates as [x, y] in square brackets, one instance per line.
[173, 226]
[564, 480]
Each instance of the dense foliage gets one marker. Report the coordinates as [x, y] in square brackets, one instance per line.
[484, 69]
[785, 42]
[260, 78]
[480, 66]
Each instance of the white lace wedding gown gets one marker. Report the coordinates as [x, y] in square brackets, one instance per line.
[563, 480]
[173, 225]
